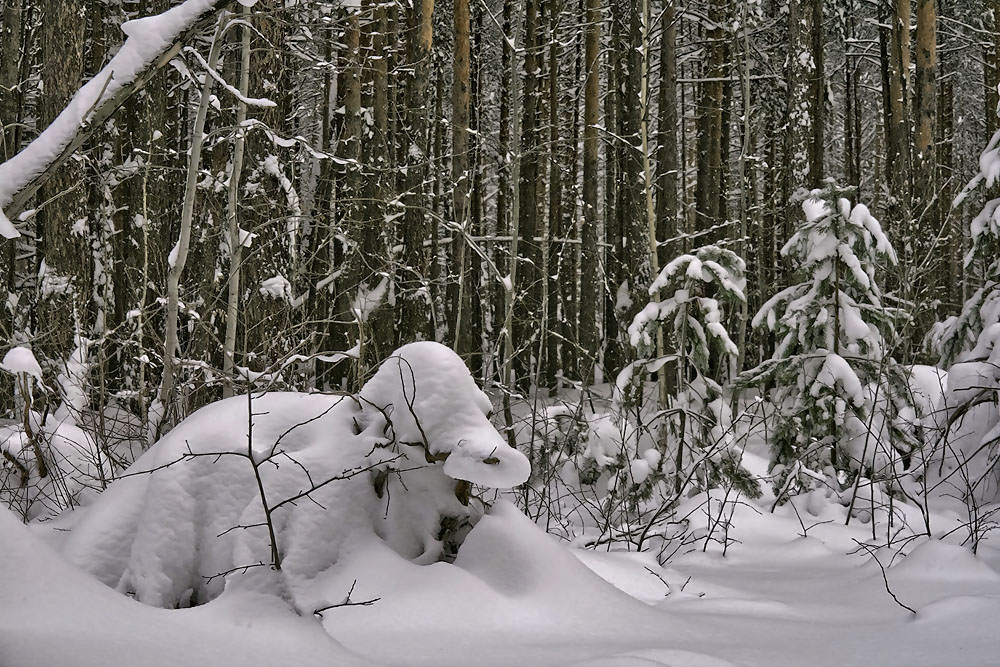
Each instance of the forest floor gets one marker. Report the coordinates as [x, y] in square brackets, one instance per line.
[796, 585]
[517, 596]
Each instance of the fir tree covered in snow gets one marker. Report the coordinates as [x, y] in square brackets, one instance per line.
[953, 338]
[832, 332]
[697, 288]
[969, 348]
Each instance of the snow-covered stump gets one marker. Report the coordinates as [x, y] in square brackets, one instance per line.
[267, 492]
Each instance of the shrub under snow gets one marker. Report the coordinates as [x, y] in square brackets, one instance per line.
[188, 519]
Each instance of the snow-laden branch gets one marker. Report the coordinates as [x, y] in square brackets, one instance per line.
[148, 40]
[249, 101]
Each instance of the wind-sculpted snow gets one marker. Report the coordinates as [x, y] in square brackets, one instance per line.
[189, 518]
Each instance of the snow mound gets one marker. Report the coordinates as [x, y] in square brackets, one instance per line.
[518, 560]
[52, 615]
[937, 560]
[195, 515]
[431, 397]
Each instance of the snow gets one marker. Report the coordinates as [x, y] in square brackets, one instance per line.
[52, 614]
[21, 360]
[148, 38]
[423, 384]
[517, 595]
[187, 521]
[781, 586]
[252, 102]
[836, 370]
[368, 299]
[277, 287]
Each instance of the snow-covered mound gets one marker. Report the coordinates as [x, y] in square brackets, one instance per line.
[972, 420]
[52, 614]
[189, 519]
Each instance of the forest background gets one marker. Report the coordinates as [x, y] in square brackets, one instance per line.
[354, 176]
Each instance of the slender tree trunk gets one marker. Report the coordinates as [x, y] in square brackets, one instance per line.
[63, 251]
[479, 289]
[10, 75]
[570, 261]
[376, 238]
[589, 258]
[461, 82]
[528, 305]
[898, 163]
[708, 193]
[232, 216]
[636, 207]
[555, 248]
[179, 254]
[925, 104]
[666, 159]
[817, 96]
[506, 151]
[612, 256]
[852, 138]
[414, 271]
[800, 115]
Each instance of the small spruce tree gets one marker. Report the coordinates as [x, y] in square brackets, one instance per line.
[832, 332]
[697, 288]
[956, 336]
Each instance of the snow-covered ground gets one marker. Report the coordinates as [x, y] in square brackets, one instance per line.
[516, 595]
[368, 577]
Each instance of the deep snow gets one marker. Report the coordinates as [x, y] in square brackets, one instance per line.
[516, 595]
[793, 587]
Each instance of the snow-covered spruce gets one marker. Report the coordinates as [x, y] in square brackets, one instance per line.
[334, 471]
[696, 290]
[954, 338]
[830, 365]
[966, 345]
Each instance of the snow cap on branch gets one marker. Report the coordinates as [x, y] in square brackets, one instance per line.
[148, 39]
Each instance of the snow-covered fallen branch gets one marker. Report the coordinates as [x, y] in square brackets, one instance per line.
[151, 43]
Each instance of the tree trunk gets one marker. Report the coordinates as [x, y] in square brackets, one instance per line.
[555, 247]
[708, 191]
[528, 306]
[589, 261]
[10, 75]
[62, 219]
[179, 254]
[817, 96]
[232, 215]
[412, 323]
[799, 115]
[666, 162]
[461, 82]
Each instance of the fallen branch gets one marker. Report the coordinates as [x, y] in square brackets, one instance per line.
[152, 42]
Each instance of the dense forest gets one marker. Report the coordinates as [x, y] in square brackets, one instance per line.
[660, 331]
[363, 174]
[277, 194]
